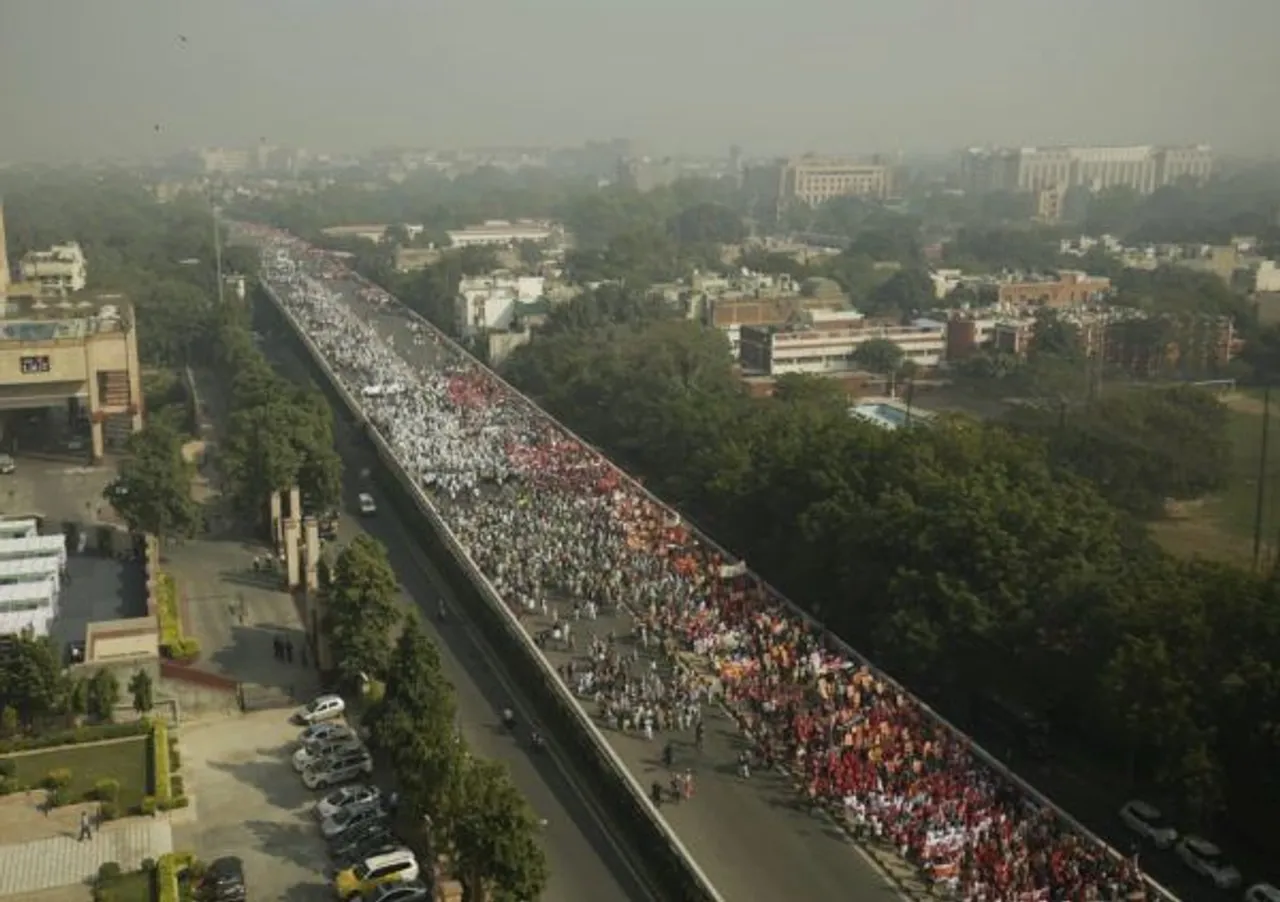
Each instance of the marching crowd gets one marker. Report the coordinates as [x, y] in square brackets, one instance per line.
[557, 529]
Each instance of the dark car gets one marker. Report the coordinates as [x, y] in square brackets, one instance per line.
[223, 881]
[356, 835]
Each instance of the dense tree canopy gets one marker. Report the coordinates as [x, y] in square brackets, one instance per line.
[361, 610]
[966, 557]
[152, 491]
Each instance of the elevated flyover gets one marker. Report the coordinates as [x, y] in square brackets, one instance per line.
[749, 837]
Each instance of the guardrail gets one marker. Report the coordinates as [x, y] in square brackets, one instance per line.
[832, 642]
[693, 883]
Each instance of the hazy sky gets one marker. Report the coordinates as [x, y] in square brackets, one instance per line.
[93, 77]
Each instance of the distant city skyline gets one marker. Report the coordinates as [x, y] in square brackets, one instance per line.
[693, 77]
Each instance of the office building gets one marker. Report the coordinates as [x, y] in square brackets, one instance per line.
[815, 180]
[501, 233]
[1069, 289]
[57, 272]
[831, 347]
[494, 302]
[1142, 168]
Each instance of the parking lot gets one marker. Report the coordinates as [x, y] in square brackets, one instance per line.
[250, 803]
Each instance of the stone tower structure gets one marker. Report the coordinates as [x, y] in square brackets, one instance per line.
[4, 257]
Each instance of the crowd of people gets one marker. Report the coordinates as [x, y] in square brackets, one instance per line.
[552, 525]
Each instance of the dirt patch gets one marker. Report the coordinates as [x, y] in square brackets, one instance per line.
[1194, 531]
[1243, 403]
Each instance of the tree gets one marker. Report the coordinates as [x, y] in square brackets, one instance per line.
[1051, 335]
[142, 690]
[152, 492]
[103, 695]
[879, 355]
[907, 291]
[707, 223]
[361, 611]
[31, 680]
[496, 835]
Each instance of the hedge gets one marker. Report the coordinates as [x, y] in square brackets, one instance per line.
[78, 736]
[173, 641]
[169, 869]
[161, 779]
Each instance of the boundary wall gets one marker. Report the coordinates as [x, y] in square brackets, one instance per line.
[665, 856]
[471, 582]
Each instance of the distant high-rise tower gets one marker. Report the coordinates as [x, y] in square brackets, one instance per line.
[4, 257]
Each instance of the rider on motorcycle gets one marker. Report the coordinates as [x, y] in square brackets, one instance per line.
[508, 718]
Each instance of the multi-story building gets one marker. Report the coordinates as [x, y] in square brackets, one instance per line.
[71, 353]
[814, 180]
[501, 233]
[1069, 289]
[493, 302]
[226, 160]
[833, 347]
[731, 314]
[646, 173]
[56, 272]
[1143, 168]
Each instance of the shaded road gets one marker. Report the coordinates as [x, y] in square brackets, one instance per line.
[750, 837]
[585, 865]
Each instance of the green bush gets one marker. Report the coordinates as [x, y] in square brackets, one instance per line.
[106, 790]
[147, 865]
[77, 736]
[8, 786]
[185, 649]
[168, 871]
[59, 778]
[176, 785]
[109, 811]
[109, 872]
[147, 806]
[175, 759]
[179, 802]
[7, 768]
[161, 785]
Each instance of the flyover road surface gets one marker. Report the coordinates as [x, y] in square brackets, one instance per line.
[751, 837]
[586, 863]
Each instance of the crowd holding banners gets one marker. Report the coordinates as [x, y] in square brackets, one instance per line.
[553, 525]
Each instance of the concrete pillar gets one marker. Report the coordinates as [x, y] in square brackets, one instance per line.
[295, 503]
[277, 535]
[95, 435]
[292, 556]
[311, 560]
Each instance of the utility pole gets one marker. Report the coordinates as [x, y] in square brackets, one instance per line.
[1262, 476]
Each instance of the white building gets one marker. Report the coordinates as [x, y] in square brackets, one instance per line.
[60, 270]
[492, 302]
[831, 348]
[1267, 277]
[501, 233]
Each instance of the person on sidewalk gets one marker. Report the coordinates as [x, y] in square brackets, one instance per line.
[86, 828]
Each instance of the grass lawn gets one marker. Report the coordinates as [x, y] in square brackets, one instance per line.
[1221, 527]
[124, 761]
[135, 886]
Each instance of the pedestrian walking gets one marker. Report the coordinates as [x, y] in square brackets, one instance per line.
[276, 648]
[86, 828]
[288, 650]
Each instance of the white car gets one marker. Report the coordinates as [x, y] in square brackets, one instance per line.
[313, 753]
[1206, 859]
[368, 507]
[335, 771]
[325, 707]
[1146, 820]
[1262, 892]
[324, 732]
[345, 798]
[350, 818]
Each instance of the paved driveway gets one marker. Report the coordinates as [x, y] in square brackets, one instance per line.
[249, 802]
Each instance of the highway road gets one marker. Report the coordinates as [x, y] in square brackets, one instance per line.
[751, 837]
[585, 864]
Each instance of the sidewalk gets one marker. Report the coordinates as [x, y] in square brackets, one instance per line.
[47, 863]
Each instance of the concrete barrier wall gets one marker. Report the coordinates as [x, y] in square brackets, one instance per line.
[668, 859]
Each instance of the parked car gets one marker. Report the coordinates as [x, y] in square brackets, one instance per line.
[364, 839]
[378, 844]
[346, 797]
[416, 891]
[314, 752]
[223, 881]
[325, 707]
[1262, 892]
[1146, 820]
[393, 867]
[338, 770]
[324, 732]
[368, 507]
[345, 820]
[1207, 860]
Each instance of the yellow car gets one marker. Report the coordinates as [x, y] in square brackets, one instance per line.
[392, 867]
